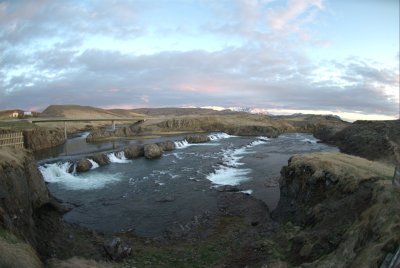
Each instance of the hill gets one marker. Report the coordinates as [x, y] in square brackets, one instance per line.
[77, 111]
[170, 111]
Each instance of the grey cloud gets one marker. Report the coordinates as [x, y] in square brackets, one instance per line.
[23, 21]
[225, 78]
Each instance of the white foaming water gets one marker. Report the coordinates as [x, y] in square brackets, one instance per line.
[94, 164]
[228, 173]
[263, 138]
[229, 176]
[231, 157]
[181, 144]
[314, 141]
[118, 157]
[184, 144]
[247, 191]
[218, 136]
[58, 173]
[84, 135]
[255, 143]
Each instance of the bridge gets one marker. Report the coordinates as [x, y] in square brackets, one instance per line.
[65, 120]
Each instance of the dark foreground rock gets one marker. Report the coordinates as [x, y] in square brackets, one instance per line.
[29, 214]
[344, 208]
[83, 165]
[134, 151]
[117, 249]
[152, 151]
[24, 193]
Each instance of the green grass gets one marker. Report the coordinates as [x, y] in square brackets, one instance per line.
[184, 254]
[16, 125]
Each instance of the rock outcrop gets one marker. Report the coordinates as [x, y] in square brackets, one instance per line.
[41, 138]
[345, 207]
[374, 140]
[152, 151]
[24, 193]
[101, 134]
[30, 214]
[243, 124]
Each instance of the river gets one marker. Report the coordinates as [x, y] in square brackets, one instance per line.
[150, 197]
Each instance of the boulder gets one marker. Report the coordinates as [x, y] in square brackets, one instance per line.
[100, 159]
[198, 138]
[166, 145]
[152, 151]
[134, 151]
[83, 165]
[117, 249]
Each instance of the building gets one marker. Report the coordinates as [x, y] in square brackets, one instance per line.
[27, 114]
[15, 114]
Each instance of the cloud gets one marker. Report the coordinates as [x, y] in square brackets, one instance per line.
[287, 17]
[49, 55]
[23, 22]
[233, 77]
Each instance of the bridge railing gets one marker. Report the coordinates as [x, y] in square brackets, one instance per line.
[13, 139]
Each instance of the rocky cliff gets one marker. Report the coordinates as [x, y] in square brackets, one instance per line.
[242, 124]
[374, 140]
[345, 208]
[31, 220]
[41, 138]
[22, 193]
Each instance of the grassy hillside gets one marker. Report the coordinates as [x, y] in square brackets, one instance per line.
[77, 111]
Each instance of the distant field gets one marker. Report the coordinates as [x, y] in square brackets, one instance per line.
[16, 125]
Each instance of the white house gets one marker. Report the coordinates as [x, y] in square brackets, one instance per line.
[14, 114]
[27, 113]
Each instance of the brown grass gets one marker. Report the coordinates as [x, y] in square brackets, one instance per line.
[350, 170]
[16, 254]
[12, 156]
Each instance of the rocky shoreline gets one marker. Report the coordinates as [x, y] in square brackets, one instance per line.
[335, 210]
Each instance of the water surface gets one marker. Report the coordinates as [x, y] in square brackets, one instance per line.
[152, 196]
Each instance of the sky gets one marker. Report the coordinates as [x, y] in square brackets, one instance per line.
[283, 56]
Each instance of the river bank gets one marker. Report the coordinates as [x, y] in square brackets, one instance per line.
[242, 232]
